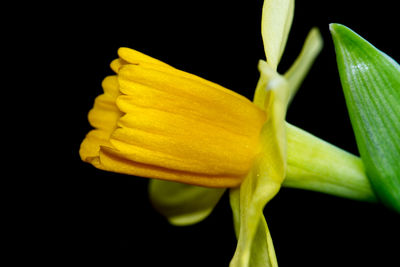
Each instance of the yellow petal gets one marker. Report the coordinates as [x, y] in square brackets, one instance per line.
[105, 113]
[90, 147]
[195, 163]
[136, 57]
[277, 16]
[185, 150]
[172, 125]
[223, 112]
[114, 161]
[116, 64]
[103, 116]
[178, 82]
[111, 87]
[130, 56]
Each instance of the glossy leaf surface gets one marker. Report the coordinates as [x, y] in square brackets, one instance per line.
[371, 85]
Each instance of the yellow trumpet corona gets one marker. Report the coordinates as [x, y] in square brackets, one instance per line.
[159, 122]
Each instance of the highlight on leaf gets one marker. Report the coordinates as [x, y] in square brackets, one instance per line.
[371, 85]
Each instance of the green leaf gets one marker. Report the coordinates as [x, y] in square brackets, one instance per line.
[183, 204]
[371, 85]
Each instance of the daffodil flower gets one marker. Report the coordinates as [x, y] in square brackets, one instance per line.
[198, 139]
[159, 122]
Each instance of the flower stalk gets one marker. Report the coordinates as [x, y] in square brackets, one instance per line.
[316, 165]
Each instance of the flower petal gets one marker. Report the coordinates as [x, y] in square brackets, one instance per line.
[264, 254]
[103, 116]
[168, 124]
[262, 97]
[277, 16]
[255, 247]
[136, 57]
[276, 100]
[90, 146]
[183, 204]
[105, 113]
[266, 176]
[182, 125]
[115, 161]
[116, 64]
[298, 71]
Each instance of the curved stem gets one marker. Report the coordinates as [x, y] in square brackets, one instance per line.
[314, 164]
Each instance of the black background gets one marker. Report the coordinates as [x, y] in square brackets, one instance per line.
[87, 216]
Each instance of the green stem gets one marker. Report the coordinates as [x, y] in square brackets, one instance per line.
[314, 164]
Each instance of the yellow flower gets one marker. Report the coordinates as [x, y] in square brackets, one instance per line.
[159, 122]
